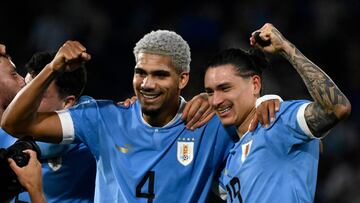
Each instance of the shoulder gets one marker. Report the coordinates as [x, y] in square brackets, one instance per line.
[291, 107]
[291, 114]
[215, 125]
[85, 102]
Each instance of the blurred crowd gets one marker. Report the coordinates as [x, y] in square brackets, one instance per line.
[324, 30]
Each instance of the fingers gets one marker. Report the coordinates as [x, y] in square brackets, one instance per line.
[75, 50]
[271, 108]
[205, 117]
[30, 175]
[128, 101]
[32, 153]
[133, 99]
[190, 109]
[195, 114]
[32, 160]
[186, 111]
[195, 110]
[2, 49]
[13, 165]
[265, 115]
[277, 105]
[70, 56]
[264, 35]
[203, 120]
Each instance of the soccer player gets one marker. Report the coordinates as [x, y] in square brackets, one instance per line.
[68, 170]
[10, 82]
[144, 152]
[278, 163]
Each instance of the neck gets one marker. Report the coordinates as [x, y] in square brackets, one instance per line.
[1, 113]
[163, 117]
[244, 126]
[2, 109]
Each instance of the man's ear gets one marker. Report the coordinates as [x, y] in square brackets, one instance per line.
[184, 79]
[256, 81]
[69, 101]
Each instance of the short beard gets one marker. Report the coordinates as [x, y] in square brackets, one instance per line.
[150, 113]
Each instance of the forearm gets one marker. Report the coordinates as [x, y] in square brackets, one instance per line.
[22, 111]
[330, 104]
[37, 196]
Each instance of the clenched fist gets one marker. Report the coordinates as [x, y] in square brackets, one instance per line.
[69, 57]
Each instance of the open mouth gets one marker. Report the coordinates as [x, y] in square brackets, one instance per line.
[149, 95]
[223, 110]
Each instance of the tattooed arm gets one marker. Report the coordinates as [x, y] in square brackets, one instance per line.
[330, 104]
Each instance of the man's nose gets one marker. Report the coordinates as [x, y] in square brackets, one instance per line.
[148, 83]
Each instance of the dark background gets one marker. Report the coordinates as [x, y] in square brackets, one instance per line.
[326, 31]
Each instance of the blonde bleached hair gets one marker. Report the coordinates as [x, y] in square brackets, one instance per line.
[165, 42]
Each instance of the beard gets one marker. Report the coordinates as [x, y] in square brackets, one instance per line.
[150, 112]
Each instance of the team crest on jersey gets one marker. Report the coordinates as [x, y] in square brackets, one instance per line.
[185, 150]
[55, 163]
[245, 148]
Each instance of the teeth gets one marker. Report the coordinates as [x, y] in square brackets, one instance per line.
[224, 110]
[149, 96]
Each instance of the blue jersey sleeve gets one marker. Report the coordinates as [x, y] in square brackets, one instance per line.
[290, 128]
[87, 121]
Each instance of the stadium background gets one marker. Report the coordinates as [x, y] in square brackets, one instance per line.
[326, 31]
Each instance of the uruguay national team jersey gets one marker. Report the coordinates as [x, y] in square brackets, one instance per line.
[140, 163]
[275, 164]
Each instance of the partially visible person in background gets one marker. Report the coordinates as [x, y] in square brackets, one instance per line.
[68, 169]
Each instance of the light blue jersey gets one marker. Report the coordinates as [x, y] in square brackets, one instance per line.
[275, 164]
[140, 163]
[68, 171]
[5, 139]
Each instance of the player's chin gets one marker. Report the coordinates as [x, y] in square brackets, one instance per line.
[227, 120]
[150, 110]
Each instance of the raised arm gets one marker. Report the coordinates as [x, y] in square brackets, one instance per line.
[21, 117]
[330, 104]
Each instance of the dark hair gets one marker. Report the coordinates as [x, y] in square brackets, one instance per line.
[247, 63]
[68, 83]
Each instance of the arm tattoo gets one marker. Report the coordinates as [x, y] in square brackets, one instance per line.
[321, 114]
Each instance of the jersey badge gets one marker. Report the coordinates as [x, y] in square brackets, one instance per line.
[245, 148]
[185, 150]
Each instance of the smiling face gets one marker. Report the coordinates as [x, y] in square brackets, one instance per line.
[10, 81]
[157, 85]
[231, 96]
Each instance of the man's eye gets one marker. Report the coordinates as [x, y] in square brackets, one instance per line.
[139, 72]
[209, 92]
